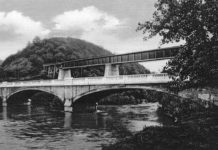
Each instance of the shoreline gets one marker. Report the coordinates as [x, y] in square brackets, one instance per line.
[198, 130]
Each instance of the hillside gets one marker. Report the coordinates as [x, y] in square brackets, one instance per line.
[28, 62]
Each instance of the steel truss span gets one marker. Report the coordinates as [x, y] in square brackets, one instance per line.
[142, 56]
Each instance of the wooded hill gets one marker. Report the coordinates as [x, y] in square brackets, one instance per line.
[28, 63]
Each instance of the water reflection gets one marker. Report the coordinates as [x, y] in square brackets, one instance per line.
[29, 109]
[4, 113]
[67, 120]
[28, 127]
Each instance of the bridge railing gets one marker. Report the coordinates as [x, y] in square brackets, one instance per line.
[122, 79]
[31, 83]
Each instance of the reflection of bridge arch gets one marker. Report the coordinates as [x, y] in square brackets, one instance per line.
[1, 100]
[29, 92]
[100, 92]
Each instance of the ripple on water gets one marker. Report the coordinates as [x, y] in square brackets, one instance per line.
[41, 129]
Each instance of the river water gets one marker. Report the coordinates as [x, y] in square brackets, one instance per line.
[28, 127]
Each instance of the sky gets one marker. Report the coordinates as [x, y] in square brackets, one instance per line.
[108, 23]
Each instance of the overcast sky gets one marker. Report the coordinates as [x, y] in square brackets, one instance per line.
[109, 23]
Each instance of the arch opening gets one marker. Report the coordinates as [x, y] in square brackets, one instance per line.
[171, 105]
[34, 98]
[127, 96]
[117, 96]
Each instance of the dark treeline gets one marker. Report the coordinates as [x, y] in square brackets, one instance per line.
[131, 96]
[47, 100]
[28, 63]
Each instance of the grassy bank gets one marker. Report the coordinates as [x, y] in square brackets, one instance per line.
[198, 131]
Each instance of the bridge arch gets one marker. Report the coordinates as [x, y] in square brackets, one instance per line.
[27, 93]
[101, 92]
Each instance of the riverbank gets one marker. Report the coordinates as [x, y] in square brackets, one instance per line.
[198, 130]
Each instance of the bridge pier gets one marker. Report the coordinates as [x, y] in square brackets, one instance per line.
[68, 105]
[111, 70]
[68, 120]
[64, 74]
[4, 101]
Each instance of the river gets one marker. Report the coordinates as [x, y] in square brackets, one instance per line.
[28, 127]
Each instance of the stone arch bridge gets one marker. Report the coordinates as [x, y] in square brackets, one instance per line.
[70, 90]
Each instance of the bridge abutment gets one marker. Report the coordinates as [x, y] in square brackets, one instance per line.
[111, 70]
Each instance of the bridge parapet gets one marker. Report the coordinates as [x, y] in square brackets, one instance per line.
[31, 83]
[122, 79]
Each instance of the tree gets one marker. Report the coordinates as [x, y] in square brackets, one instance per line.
[28, 63]
[19, 68]
[196, 23]
[36, 40]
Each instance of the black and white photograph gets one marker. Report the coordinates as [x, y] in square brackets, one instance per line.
[108, 74]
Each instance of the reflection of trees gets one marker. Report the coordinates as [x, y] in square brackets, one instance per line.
[194, 23]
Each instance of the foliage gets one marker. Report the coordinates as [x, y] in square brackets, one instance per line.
[123, 98]
[197, 129]
[46, 99]
[173, 106]
[132, 68]
[28, 63]
[131, 96]
[169, 138]
[195, 23]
